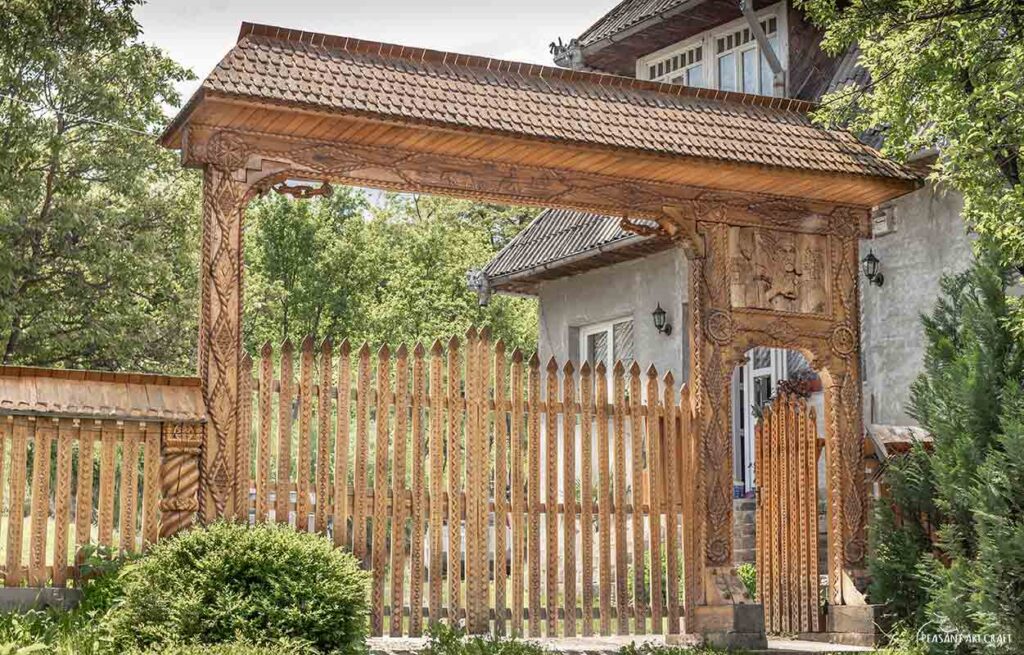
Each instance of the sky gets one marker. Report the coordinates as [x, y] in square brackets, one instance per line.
[198, 33]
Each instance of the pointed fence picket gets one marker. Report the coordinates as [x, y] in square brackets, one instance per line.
[474, 484]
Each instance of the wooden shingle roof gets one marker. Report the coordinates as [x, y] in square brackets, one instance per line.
[467, 93]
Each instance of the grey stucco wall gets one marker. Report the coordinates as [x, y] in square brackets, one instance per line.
[631, 288]
[929, 240]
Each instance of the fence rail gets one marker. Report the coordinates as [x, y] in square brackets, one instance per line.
[475, 485]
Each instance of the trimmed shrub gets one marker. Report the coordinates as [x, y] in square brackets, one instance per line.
[286, 647]
[229, 583]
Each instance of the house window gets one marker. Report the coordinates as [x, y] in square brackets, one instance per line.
[608, 342]
[740, 64]
[685, 67]
[728, 58]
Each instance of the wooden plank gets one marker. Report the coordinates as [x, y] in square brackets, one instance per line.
[266, 384]
[324, 409]
[793, 464]
[83, 487]
[282, 495]
[304, 464]
[587, 497]
[760, 516]
[533, 492]
[500, 489]
[16, 513]
[67, 433]
[380, 496]
[476, 575]
[6, 437]
[362, 455]
[785, 513]
[436, 450]
[419, 498]
[654, 483]
[151, 485]
[341, 446]
[776, 519]
[398, 470]
[671, 502]
[569, 500]
[800, 459]
[636, 431]
[108, 447]
[604, 498]
[518, 499]
[243, 445]
[811, 514]
[455, 443]
[621, 546]
[40, 502]
[483, 477]
[126, 523]
[551, 499]
[688, 494]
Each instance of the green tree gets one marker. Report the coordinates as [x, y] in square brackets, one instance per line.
[390, 271]
[970, 397]
[97, 223]
[946, 74]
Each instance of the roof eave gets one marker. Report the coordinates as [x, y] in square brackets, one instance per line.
[622, 35]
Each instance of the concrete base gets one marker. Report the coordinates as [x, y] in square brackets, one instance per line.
[730, 626]
[20, 599]
[856, 625]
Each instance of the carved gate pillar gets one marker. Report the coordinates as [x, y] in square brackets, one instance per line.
[768, 272]
[231, 175]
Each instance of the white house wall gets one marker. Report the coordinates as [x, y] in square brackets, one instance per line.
[630, 289]
[928, 240]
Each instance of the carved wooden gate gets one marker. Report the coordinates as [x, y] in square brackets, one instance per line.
[786, 442]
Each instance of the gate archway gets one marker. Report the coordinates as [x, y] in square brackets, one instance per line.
[717, 171]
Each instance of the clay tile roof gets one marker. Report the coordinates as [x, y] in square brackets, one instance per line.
[463, 92]
[557, 236]
[624, 15]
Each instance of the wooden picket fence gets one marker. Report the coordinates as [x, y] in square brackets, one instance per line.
[476, 486]
[786, 442]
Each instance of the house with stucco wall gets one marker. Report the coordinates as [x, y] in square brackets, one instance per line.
[600, 279]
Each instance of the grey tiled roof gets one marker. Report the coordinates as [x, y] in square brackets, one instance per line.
[557, 234]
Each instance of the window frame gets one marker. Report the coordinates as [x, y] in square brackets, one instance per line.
[608, 327]
[709, 60]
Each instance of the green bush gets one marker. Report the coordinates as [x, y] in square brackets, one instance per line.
[285, 647]
[748, 576]
[230, 583]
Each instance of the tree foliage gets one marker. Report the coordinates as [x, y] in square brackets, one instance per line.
[970, 397]
[390, 271]
[97, 223]
[945, 74]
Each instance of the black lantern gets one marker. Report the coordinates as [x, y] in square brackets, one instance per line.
[870, 264]
[660, 322]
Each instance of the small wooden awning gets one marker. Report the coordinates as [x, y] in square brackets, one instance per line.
[521, 132]
[99, 395]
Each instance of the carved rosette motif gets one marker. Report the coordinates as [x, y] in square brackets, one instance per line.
[772, 273]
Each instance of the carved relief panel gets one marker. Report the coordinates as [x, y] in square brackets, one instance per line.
[779, 271]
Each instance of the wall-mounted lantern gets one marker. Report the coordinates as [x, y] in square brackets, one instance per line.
[661, 322]
[870, 265]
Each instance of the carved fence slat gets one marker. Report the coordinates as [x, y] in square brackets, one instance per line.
[341, 446]
[501, 430]
[568, 500]
[324, 411]
[518, 494]
[604, 498]
[551, 499]
[302, 468]
[419, 497]
[129, 486]
[265, 409]
[587, 498]
[282, 494]
[636, 429]
[398, 470]
[670, 462]
[654, 478]
[455, 508]
[436, 448]
[621, 466]
[378, 524]
[533, 493]
[16, 512]
[44, 433]
[67, 433]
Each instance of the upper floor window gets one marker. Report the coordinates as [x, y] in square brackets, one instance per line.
[727, 58]
[741, 66]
